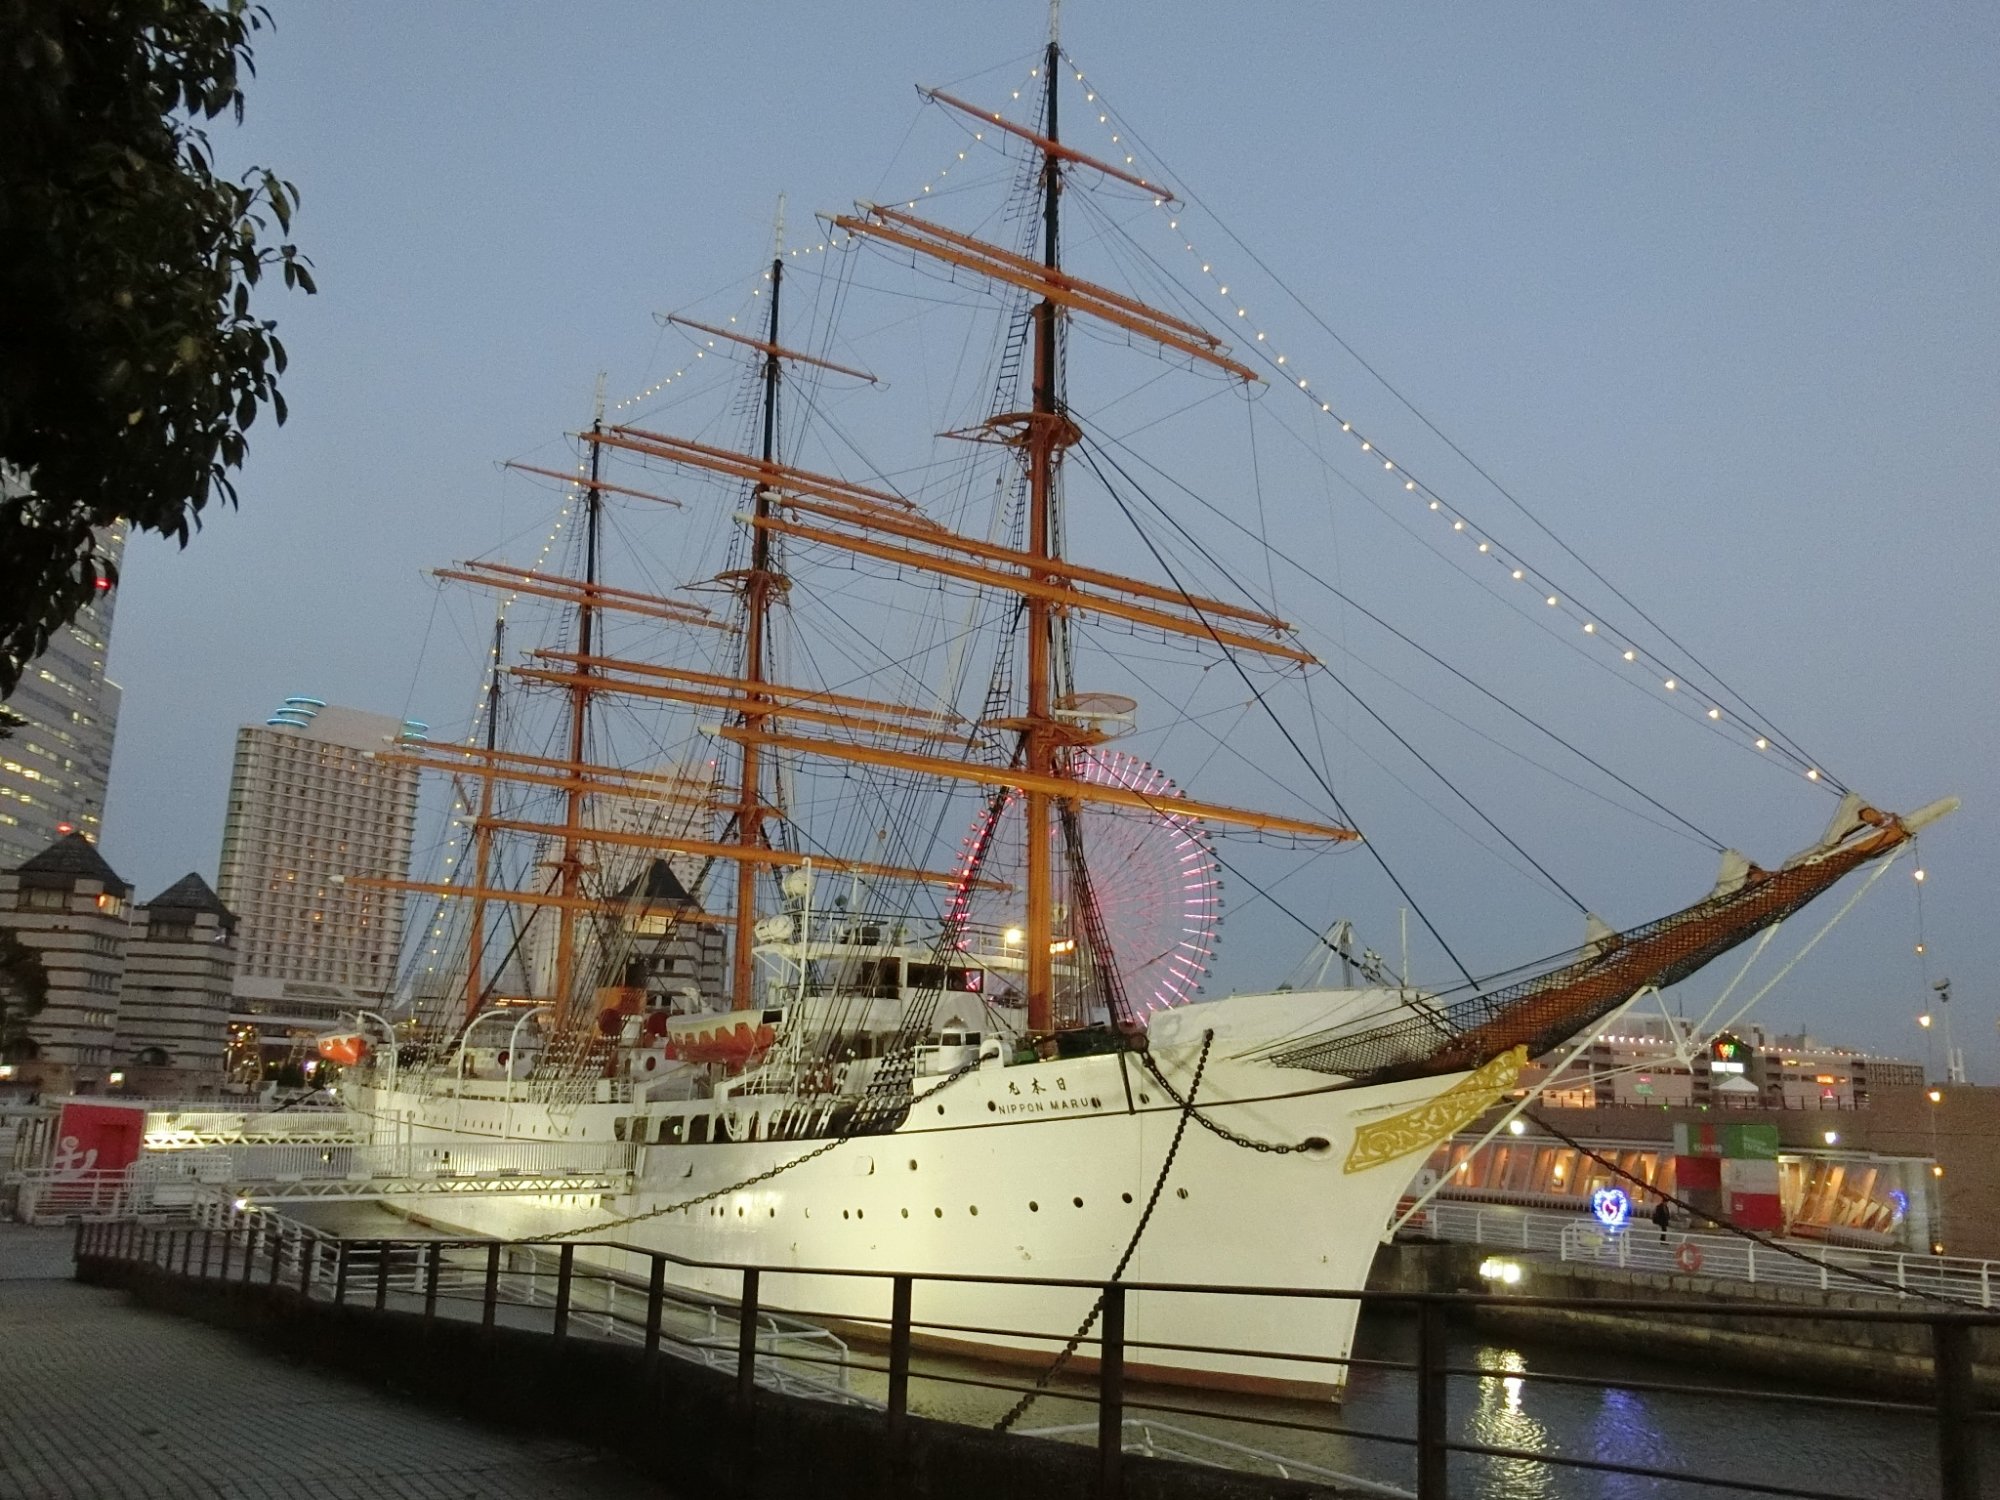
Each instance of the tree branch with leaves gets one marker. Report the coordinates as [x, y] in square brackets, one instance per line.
[131, 361]
[24, 989]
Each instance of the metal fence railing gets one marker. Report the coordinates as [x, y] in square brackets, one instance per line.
[570, 1289]
[1640, 1246]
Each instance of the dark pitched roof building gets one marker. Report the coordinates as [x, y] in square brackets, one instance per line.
[69, 859]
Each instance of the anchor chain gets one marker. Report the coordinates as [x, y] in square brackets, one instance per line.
[1271, 1148]
[1029, 1398]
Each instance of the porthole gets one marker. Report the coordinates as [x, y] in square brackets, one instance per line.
[860, 1214]
[1126, 1196]
[975, 1210]
[1077, 1201]
[913, 1164]
[843, 1213]
[906, 1213]
[940, 1109]
[1034, 1207]
[939, 1212]
[992, 1105]
[739, 1213]
[774, 1213]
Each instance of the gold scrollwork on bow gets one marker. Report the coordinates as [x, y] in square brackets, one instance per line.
[1423, 1127]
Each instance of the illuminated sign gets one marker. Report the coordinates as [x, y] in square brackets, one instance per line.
[1728, 1054]
[1612, 1207]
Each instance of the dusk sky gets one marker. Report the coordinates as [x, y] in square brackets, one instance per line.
[1713, 290]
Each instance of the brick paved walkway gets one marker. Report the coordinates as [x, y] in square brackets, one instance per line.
[100, 1400]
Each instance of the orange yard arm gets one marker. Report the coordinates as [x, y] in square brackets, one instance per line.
[782, 477]
[583, 483]
[574, 591]
[754, 707]
[1030, 266]
[756, 854]
[1063, 594]
[505, 773]
[1046, 146]
[1051, 567]
[1053, 786]
[524, 898]
[1076, 295]
[765, 346]
[775, 691]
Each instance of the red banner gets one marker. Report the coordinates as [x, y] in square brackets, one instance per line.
[97, 1138]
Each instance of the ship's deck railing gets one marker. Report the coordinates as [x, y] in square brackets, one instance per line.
[161, 1180]
[563, 1290]
[1639, 1246]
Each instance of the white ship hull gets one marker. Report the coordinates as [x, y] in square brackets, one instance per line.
[1039, 1169]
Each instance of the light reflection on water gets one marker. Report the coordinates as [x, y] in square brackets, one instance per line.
[1864, 1453]
[1499, 1416]
[1872, 1454]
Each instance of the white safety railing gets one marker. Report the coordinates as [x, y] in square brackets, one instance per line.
[1640, 1246]
[337, 1162]
[45, 1196]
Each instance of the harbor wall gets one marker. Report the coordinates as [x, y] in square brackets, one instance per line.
[673, 1420]
[1889, 1359]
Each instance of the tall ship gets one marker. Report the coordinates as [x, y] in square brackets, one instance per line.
[811, 862]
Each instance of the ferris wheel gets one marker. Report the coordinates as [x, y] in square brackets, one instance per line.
[1153, 874]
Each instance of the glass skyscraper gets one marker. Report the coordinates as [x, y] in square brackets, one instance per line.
[54, 768]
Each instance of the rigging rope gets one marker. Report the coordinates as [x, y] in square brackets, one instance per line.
[1368, 614]
[1270, 713]
[1472, 463]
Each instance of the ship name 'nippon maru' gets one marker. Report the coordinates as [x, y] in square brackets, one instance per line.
[801, 862]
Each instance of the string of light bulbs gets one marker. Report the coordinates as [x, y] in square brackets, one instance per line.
[1690, 699]
[457, 824]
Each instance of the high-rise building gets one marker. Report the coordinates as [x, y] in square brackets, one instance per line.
[312, 810]
[68, 905]
[174, 1002]
[55, 765]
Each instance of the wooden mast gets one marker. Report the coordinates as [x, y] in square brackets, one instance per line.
[758, 589]
[1046, 431]
[569, 868]
[482, 838]
[1051, 590]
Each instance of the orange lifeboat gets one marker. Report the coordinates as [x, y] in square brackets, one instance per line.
[344, 1047]
[732, 1044]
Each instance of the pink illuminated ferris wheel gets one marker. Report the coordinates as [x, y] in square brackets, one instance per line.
[1153, 873]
